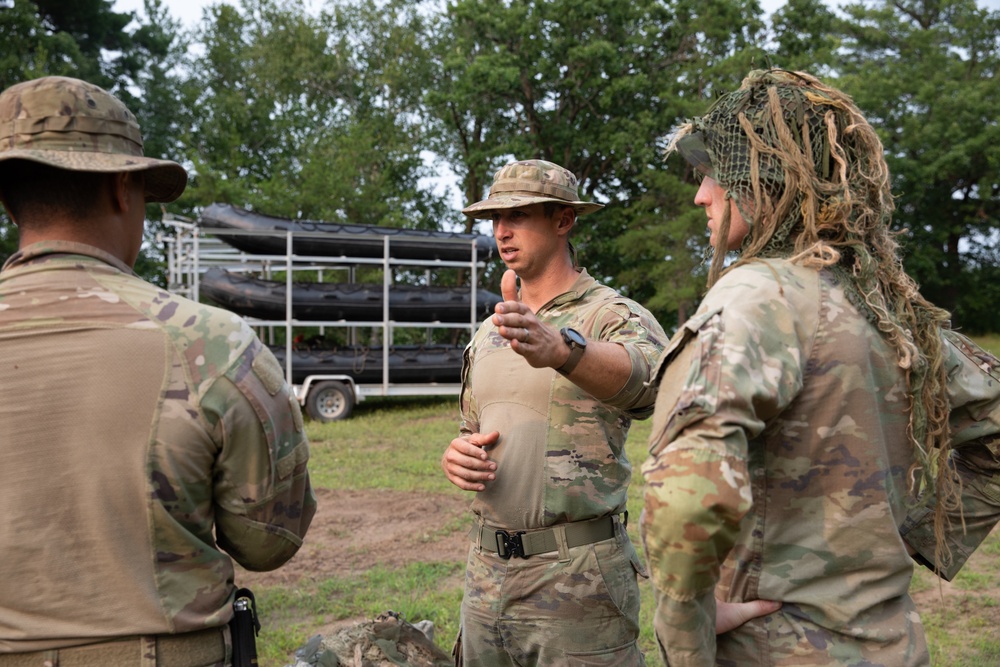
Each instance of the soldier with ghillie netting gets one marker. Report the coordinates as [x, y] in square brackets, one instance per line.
[818, 426]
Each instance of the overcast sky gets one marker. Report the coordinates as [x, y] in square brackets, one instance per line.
[188, 11]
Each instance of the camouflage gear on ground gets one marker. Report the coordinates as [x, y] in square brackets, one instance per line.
[779, 470]
[387, 641]
[527, 182]
[581, 609]
[71, 124]
[134, 423]
[560, 458]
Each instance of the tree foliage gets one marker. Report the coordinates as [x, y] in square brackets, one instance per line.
[927, 73]
[595, 86]
[310, 117]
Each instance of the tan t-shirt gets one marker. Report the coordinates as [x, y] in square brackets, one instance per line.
[561, 454]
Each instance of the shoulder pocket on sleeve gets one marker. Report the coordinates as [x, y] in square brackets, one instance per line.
[269, 372]
[686, 378]
[275, 407]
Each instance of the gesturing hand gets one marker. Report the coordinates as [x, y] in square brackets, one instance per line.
[538, 343]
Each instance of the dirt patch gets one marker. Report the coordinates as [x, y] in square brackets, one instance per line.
[354, 531]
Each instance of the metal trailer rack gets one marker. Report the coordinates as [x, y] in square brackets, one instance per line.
[191, 249]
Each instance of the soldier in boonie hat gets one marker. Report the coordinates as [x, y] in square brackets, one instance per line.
[531, 378]
[71, 159]
[74, 125]
[527, 182]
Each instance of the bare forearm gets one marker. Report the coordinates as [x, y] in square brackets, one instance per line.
[603, 370]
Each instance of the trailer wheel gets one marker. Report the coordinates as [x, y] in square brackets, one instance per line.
[330, 401]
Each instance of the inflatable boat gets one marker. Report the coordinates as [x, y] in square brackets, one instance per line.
[407, 363]
[313, 238]
[265, 299]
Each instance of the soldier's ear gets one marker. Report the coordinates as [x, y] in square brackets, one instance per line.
[567, 218]
[120, 183]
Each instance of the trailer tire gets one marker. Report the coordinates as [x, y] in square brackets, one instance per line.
[330, 401]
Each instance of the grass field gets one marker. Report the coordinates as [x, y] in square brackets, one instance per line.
[396, 445]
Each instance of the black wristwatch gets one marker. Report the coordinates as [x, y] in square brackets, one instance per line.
[577, 346]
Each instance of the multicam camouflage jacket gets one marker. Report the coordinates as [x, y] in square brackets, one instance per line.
[778, 470]
[561, 454]
[133, 423]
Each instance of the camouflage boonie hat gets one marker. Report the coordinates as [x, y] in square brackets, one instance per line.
[71, 124]
[527, 182]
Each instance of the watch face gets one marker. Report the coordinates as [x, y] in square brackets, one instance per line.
[574, 337]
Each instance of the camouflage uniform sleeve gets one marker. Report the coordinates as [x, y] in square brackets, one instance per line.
[635, 329]
[974, 394]
[263, 498]
[734, 365]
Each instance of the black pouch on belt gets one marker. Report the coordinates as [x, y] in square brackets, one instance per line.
[244, 628]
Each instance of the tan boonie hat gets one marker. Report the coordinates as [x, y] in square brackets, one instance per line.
[527, 182]
[75, 125]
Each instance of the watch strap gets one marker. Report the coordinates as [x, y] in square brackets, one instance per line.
[575, 353]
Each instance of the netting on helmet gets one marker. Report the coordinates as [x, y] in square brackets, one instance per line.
[806, 170]
[795, 156]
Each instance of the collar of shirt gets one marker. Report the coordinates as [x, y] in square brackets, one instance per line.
[45, 249]
[580, 286]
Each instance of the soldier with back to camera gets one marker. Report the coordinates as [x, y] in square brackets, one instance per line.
[146, 440]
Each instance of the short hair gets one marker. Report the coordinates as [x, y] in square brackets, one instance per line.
[549, 208]
[33, 190]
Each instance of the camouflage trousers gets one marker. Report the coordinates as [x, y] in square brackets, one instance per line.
[542, 610]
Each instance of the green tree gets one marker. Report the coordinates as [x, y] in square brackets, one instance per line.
[593, 85]
[381, 142]
[81, 38]
[926, 72]
[161, 97]
[309, 116]
[32, 48]
[805, 36]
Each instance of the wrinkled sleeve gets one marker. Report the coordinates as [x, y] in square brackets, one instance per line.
[468, 409]
[974, 395]
[263, 498]
[635, 329]
[734, 365]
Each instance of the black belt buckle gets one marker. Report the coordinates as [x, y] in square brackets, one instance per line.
[510, 545]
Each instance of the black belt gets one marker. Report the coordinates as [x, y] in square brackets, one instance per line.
[522, 544]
